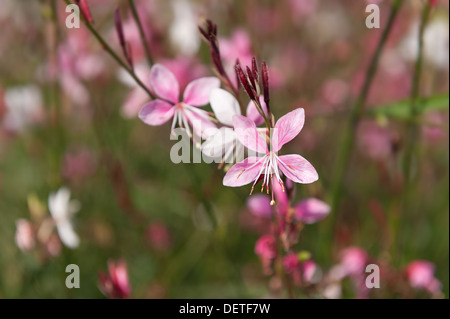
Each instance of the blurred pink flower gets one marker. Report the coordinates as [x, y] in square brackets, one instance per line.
[259, 205]
[420, 274]
[265, 247]
[25, 235]
[159, 237]
[185, 69]
[53, 245]
[78, 165]
[184, 112]
[115, 284]
[433, 127]
[309, 268]
[77, 62]
[291, 265]
[236, 47]
[311, 210]
[301, 9]
[293, 166]
[299, 270]
[374, 141]
[353, 260]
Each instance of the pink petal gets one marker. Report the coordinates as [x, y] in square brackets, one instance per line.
[297, 169]
[197, 92]
[353, 260]
[281, 198]
[164, 83]
[133, 102]
[200, 121]
[311, 210]
[243, 172]
[287, 127]
[248, 134]
[259, 205]
[420, 273]
[252, 112]
[156, 112]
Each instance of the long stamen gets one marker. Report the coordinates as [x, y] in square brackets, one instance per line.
[259, 174]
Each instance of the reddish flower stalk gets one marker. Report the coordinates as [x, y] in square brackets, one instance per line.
[119, 29]
[85, 11]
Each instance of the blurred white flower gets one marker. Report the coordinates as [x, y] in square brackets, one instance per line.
[435, 43]
[62, 209]
[24, 107]
[183, 32]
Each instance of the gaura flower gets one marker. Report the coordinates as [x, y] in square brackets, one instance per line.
[293, 166]
[224, 142]
[62, 208]
[186, 111]
[308, 211]
[115, 285]
[420, 274]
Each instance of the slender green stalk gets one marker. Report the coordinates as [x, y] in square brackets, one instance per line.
[356, 114]
[415, 100]
[141, 32]
[413, 130]
[113, 54]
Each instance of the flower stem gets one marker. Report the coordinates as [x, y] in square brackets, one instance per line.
[141, 32]
[114, 55]
[356, 114]
[415, 101]
[412, 128]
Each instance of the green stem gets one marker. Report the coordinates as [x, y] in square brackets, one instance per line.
[111, 52]
[356, 114]
[412, 129]
[141, 32]
[415, 101]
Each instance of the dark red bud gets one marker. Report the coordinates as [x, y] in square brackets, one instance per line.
[85, 11]
[254, 69]
[265, 82]
[244, 81]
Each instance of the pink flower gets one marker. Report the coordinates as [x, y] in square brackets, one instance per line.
[309, 268]
[224, 143]
[115, 285]
[259, 205]
[185, 69]
[420, 274]
[374, 141]
[159, 237]
[308, 211]
[311, 210]
[237, 47]
[25, 235]
[266, 247]
[184, 112]
[293, 166]
[78, 165]
[291, 263]
[353, 260]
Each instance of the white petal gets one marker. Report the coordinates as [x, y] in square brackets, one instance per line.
[224, 105]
